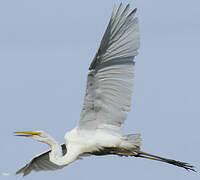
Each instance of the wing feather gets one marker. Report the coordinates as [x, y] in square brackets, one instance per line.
[110, 76]
[40, 163]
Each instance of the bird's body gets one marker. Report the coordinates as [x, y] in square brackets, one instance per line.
[89, 141]
[93, 140]
[106, 103]
[79, 142]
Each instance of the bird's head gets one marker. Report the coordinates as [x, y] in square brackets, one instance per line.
[37, 135]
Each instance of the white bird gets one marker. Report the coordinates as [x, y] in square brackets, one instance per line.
[106, 103]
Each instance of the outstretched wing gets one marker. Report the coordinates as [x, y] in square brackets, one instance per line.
[110, 77]
[40, 163]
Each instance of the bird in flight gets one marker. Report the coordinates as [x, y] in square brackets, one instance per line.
[106, 103]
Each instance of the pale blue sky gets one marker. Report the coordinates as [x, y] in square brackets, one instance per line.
[45, 50]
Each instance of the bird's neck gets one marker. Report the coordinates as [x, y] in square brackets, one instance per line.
[56, 155]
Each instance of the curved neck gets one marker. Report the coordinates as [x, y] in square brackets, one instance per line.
[56, 155]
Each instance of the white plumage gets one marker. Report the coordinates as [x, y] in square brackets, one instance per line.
[106, 103]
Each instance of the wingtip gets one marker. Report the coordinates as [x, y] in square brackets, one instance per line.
[135, 10]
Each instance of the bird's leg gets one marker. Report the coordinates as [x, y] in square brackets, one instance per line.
[123, 152]
[137, 153]
[126, 154]
[170, 161]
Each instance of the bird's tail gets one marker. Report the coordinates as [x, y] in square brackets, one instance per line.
[132, 141]
[141, 154]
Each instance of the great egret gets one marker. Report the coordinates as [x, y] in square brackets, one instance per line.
[106, 103]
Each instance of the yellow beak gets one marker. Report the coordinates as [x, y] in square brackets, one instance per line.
[26, 133]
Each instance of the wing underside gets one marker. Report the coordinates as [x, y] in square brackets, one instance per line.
[40, 163]
[110, 77]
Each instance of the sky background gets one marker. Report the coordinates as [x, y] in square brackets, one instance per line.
[45, 50]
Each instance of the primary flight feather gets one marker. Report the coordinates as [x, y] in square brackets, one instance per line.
[106, 103]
